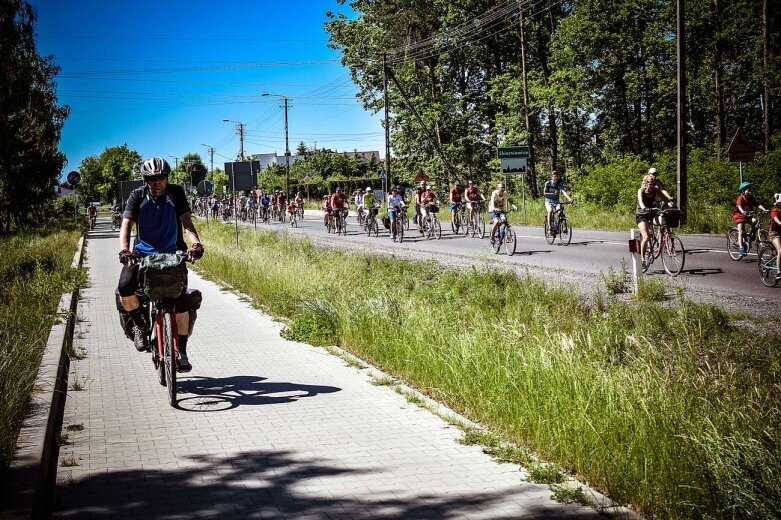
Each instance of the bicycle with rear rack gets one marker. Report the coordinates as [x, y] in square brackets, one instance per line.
[664, 243]
[163, 280]
[559, 226]
[753, 231]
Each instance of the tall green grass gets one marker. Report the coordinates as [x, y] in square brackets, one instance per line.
[34, 272]
[667, 407]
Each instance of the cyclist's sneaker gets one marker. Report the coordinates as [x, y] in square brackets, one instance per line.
[183, 364]
[493, 240]
[139, 339]
[644, 265]
[741, 253]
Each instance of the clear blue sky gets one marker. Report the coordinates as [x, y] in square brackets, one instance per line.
[162, 75]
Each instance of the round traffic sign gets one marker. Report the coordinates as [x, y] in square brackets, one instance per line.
[74, 178]
[205, 188]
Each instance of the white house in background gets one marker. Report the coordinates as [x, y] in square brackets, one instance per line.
[61, 191]
[267, 159]
[364, 157]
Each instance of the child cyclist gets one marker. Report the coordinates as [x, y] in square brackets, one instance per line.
[745, 203]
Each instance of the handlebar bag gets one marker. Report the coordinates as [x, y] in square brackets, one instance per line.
[163, 275]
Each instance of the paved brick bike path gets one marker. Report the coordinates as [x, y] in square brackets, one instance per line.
[267, 428]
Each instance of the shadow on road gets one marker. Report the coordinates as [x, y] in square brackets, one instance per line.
[260, 484]
[210, 394]
[703, 272]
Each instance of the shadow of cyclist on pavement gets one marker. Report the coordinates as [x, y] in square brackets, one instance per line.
[222, 393]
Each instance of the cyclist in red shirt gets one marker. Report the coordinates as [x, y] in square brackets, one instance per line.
[745, 203]
[775, 231]
[339, 202]
[456, 196]
[472, 195]
[326, 207]
[428, 197]
[92, 215]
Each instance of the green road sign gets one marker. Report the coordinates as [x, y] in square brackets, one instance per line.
[513, 152]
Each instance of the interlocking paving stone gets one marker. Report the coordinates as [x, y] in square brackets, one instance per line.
[267, 428]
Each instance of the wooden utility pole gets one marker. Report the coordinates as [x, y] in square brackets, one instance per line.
[765, 72]
[387, 119]
[681, 47]
[529, 132]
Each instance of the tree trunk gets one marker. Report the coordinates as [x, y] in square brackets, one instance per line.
[529, 130]
[721, 126]
[552, 129]
[765, 88]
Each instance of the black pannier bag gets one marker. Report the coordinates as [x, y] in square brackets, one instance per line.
[190, 301]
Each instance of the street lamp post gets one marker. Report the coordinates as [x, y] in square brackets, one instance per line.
[287, 146]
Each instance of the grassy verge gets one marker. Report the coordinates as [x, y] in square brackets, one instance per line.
[668, 407]
[34, 272]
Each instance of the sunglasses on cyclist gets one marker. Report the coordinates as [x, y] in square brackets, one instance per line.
[155, 178]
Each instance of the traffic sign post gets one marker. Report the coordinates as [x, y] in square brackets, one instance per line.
[740, 150]
[514, 162]
[513, 159]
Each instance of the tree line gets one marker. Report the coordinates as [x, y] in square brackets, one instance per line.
[30, 120]
[584, 82]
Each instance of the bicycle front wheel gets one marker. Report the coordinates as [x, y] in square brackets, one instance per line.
[374, 229]
[436, 229]
[673, 255]
[767, 266]
[509, 241]
[565, 232]
[169, 359]
[733, 248]
[549, 236]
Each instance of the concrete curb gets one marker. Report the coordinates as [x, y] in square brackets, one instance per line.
[31, 477]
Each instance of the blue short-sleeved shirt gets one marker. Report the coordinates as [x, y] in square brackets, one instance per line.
[555, 188]
[158, 227]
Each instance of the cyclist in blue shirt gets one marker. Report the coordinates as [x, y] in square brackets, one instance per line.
[551, 191]
[161, 214]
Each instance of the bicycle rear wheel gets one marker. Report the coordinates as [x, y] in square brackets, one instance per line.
[550, 237]
[565, 232]
[766, 266]
[169, 359]
[733, 247]
[509, 241]
[673, 255]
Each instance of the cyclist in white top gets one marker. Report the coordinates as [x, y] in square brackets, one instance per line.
[497, 207]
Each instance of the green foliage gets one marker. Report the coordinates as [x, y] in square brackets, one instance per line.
[190, 168]
[64, 207]
[32, 121]
[101, 173]
[617, 282]
[651, 289]
[34, 272]
[315, 323]
[545, 474]
[567, 494]
[653, 403]
[220, 179]
[600, 78]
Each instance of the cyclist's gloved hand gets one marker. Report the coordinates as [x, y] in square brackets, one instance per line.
[126, 258]
[195, 252]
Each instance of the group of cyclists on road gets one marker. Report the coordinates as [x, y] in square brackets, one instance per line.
[161, 214]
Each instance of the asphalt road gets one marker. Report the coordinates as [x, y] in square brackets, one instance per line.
[708, 268]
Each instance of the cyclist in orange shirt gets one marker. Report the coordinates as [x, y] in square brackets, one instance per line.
[339, 202]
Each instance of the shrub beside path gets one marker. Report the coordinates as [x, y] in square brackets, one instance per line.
[267, 428]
